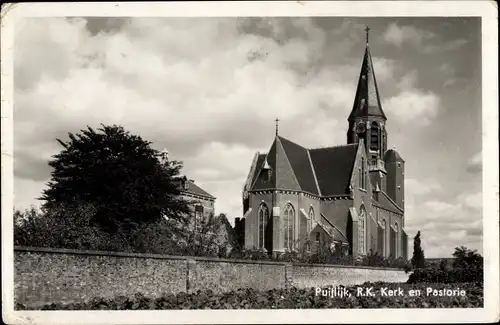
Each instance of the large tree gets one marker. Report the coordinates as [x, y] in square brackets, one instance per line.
[465, 257]
[418, 258]
[119, 174]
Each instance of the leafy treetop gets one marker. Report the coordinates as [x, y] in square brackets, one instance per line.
[117, 173]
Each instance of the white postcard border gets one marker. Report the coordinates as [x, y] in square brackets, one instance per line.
[485, 9]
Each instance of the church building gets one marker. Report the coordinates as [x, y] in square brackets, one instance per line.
[351, 195]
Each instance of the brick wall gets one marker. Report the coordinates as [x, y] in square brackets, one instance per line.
[44, 276]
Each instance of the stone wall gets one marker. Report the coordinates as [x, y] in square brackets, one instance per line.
[44, 275]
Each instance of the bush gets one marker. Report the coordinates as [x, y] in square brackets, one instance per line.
[454, 275]
[253, 253]
[287, 299]
[465, 257]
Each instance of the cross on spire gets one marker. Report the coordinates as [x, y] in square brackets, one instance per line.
[367, 30]
[277, 121]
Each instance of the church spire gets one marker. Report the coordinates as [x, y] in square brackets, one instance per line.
[367, 100]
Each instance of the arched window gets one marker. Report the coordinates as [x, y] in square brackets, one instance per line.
[374, 137]
[383, 145]
[384, 236]
[362, 230]
[311, 218]
[288, 226]
[263, 219]
[396, 227]
[362, 174]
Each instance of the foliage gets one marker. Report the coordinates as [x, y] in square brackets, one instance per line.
[74, 231]
[465, 257]
[453, 275]
[116, 173]
[205, 236]
[292, 298]
[418, 258]
[467, 267]
[70, 226]
[254, 253]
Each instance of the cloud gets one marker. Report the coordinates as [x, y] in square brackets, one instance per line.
[446, 223]
[424, 41]
[385, 68]
[408, 81]
[399, 35]
[415, 187]
[208, 90]
[446, 69]
[448, 46]
[414, 106]
[449, 75]
[475, 163]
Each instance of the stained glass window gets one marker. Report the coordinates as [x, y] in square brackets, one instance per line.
[263, 219]
[362, 230]
[288, 226]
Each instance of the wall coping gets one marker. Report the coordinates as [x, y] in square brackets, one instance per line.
[186, 258]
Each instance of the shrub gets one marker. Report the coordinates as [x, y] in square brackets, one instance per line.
[454, 275]
[418, 258]
[465, 257]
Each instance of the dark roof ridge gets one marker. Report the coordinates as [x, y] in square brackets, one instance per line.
[295, 143]
[392, 201]
[337, 146]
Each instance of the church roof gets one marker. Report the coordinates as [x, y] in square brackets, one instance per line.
[386, 203]
[333, 167]
[367, 99]
[392, 155]
[322, 171]
[301, 164]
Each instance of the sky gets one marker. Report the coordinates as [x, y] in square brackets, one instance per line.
[209, 89]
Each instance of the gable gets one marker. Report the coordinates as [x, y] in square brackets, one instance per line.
[285, 175]
[333, 167]
[279, 172]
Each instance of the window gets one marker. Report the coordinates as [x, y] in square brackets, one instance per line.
[399, 165]
[311, 218]
[396, 245]
[384, 236]
[288, 226]
[374, 137]
[383, 145]
[263, 219]
[362, 174]
[318, 236]
[361, 230]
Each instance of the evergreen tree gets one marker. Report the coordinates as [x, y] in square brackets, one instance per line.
[118, 174]
[418, 258]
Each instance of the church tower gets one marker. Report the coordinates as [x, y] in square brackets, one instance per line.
[367, 121]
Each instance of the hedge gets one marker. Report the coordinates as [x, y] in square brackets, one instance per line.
[290, 299]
